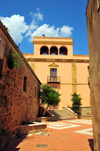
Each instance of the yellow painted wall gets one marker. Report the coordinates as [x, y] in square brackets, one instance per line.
[65, 91]
[84, 92]
[82, 72]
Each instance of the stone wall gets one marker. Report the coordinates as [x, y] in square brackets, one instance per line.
[86, 110]
[93, 26]
[17, 105]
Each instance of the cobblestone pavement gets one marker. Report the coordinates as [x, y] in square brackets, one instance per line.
[66, 135]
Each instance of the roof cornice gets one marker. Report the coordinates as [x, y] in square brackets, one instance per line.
[53, 42]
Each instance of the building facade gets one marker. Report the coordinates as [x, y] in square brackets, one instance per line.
[54, 63]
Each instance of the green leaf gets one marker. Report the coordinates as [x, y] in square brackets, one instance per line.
[49, 96]
[76, 103]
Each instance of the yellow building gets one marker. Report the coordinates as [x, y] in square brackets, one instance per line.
[54, 64]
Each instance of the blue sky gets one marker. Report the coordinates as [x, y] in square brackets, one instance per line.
[55, 18]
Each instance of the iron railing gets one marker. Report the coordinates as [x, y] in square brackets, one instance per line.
[53, 79]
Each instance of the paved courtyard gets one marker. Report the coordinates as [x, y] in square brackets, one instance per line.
[66, 135]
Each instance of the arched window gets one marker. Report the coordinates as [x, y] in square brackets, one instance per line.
[63, 51]
[44, 50]
[53, 50]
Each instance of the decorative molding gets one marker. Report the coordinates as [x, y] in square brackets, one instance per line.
[36, 37]
[57, 60]
[70, 84]
[82, 55]
[53, 65]
[53, 42]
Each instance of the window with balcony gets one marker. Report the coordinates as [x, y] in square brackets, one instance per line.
[53, 74]
[53, 78]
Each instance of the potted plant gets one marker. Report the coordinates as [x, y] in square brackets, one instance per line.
[76, 103]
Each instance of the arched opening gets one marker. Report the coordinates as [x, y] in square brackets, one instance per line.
[63, 51]
[44, 50]
[53, 50]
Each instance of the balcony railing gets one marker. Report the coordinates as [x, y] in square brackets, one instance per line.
[53, 79]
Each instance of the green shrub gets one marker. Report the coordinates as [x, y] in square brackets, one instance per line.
[14, 61]
[49, 96]
[76, 99]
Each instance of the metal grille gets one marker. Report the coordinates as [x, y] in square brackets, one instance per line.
[41, 146]
[53, 79]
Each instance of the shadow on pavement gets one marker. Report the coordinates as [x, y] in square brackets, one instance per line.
[91, 144]
[13, 145]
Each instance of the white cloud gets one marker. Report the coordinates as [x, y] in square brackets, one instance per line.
[1, 18]
[34, 24]
[66, 31]
[50, 31]
[46, 30]
[38, 15]
[16, 25]
[32, 27]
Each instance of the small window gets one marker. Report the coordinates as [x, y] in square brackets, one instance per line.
[35, 92]
[25, 84]
[1, 66]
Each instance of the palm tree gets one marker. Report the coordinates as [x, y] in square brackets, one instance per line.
[49, 96]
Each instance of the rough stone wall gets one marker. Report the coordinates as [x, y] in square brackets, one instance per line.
[16, 106]
[86, 110]
[93, 26]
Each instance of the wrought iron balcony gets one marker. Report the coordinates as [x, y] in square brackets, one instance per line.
[53, 79]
